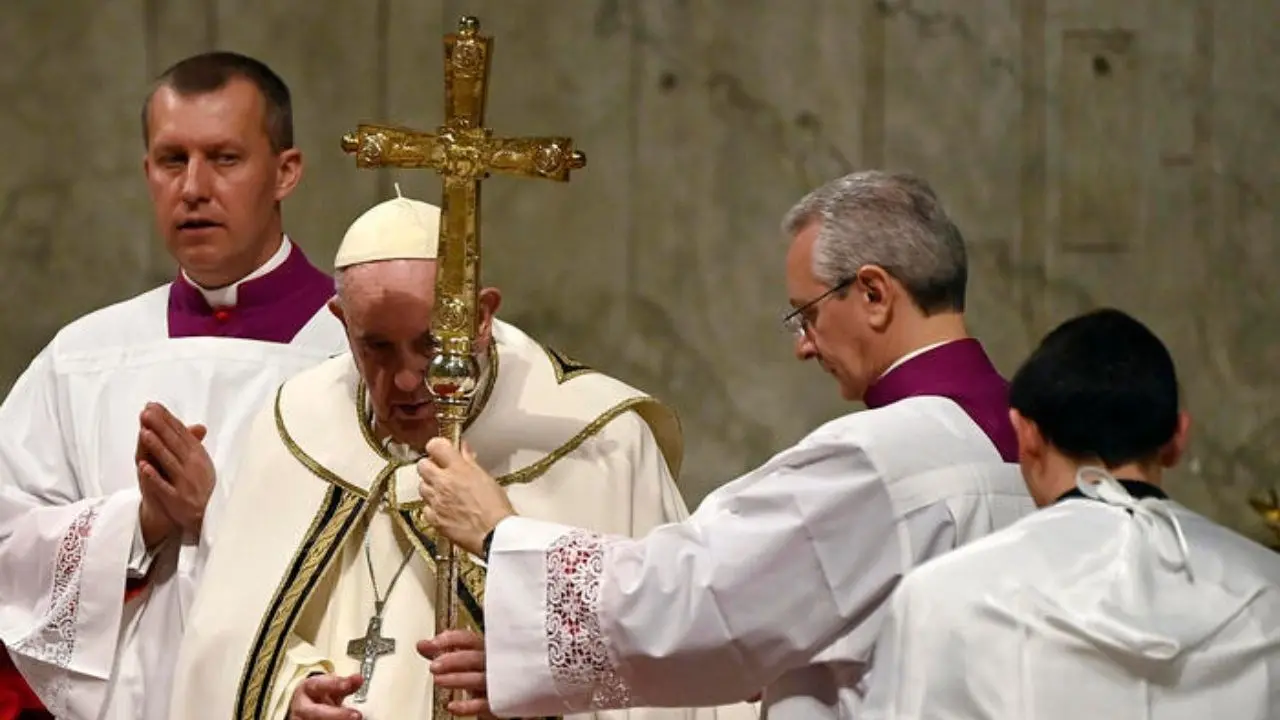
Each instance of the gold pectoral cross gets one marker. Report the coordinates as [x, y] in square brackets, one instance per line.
[368, 650]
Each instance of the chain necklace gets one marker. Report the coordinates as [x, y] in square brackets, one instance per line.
[372, 646]
[380, 602]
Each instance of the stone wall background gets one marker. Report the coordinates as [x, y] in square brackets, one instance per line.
[1094, 152]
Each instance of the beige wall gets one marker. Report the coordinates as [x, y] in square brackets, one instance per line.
[1094, 152]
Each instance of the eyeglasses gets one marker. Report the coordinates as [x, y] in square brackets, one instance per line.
[796, 322]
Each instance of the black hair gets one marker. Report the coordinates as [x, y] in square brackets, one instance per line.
[1100, 385]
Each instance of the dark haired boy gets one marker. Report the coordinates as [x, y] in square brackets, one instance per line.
[1112, 600]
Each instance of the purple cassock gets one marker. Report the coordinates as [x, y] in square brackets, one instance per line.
[962, 372]
[271, 308]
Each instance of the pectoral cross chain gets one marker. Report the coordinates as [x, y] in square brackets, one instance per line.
[368, 650]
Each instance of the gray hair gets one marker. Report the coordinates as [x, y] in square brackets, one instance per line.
[339, 282]
[892, 220]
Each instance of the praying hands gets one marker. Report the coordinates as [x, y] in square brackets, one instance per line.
[461, 500]
[175, 475]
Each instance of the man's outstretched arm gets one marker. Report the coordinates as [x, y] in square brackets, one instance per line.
[768, 571]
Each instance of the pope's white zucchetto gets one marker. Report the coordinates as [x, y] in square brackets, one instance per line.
[397, 229]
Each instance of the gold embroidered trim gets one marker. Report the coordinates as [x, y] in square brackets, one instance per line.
[307, 461]
[536, 469]
[259, 677]
[670, 437]
[566, 368]
[289, 594]
[471, 574]
[332, 523]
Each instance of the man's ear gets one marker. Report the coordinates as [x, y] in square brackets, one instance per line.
[1172, 452]
[335, 307]
[288, 172]
[1030, 441]
[875, 291]
[488, 301]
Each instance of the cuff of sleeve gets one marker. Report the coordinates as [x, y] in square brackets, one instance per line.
[102, 585]
[515, 609]
[139, 558]
[305, 661]
[516, 533]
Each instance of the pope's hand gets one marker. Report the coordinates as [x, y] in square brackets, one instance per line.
[457, 663]
[462, 501]
[320, 697]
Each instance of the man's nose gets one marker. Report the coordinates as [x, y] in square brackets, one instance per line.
[805, 349]
[409, 379]
[195, 182]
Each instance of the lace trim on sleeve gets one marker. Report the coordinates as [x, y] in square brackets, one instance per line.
[578, 655]
[54, 642]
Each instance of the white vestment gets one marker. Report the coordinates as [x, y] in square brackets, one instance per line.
[777, 581]
[1087, 610]
[69, 496]
[288, 585]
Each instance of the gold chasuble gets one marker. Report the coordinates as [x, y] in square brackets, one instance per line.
[320, 563]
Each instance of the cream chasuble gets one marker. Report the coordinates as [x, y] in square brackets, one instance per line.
[287, 587]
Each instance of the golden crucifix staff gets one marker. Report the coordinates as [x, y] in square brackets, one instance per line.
[463, 152]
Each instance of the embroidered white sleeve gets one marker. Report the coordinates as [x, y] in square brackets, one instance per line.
[54, 642]
[577, 653]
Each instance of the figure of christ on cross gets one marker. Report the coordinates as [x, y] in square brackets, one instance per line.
[368, 649]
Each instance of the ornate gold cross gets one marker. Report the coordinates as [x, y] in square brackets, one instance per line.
[463, 152]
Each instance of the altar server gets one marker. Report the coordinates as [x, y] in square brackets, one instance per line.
[1113, 601]
[113, 439]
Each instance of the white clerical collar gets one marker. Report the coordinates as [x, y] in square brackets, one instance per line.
[226, 296]
[914, 353]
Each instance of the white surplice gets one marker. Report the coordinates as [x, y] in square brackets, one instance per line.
[288, 586]
[1091, 608]
[69, 496]
[778, 579]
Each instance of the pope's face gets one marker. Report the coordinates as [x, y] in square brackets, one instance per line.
[386, 310]
[215, 181]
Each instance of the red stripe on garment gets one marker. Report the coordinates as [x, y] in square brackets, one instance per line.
[17, 700]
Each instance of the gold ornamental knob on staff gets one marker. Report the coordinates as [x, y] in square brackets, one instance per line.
[463, 152]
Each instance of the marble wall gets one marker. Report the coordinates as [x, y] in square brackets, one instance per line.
[1094, 152]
